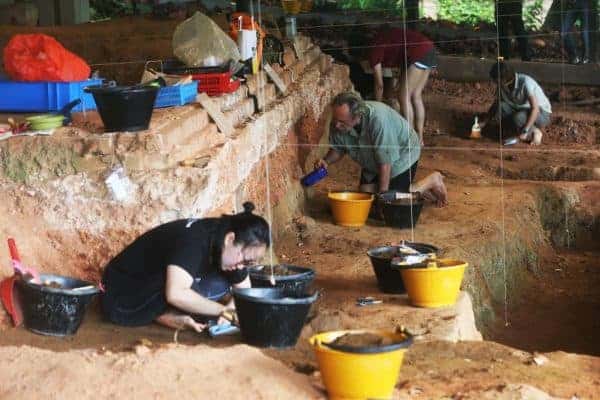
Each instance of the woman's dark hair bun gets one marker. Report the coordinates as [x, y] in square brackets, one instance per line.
[248, 207]
[249, 229]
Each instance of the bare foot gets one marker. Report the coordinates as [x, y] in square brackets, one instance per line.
[433, 189]
[537, 137]
[179, 321]
[438, 189]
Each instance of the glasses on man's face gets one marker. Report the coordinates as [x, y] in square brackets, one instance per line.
[341, 124]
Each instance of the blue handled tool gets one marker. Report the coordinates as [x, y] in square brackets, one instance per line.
[222, 329]
[314, 177]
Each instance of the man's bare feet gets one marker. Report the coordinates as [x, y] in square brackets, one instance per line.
[537, 137]
[438, 189]
[433, 189]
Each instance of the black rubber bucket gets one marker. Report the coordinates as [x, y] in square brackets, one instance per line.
[124, 108]
[402, 213]
[271, 317]
[54, 311]
[389, 280]
[296, 282]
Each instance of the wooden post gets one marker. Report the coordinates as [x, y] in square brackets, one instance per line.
[412, 12]
[595, 31]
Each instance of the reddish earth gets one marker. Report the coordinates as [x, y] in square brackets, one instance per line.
[529, 291]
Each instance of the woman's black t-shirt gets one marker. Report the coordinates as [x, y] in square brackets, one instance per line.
[195, 245]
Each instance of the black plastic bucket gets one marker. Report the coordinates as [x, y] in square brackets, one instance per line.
[296, 284]
[54, 311]
[389, 280]
[124, 108]
[270, 317]
[403, 213]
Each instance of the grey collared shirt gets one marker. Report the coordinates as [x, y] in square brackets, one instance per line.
[385, 138]
[526, 86]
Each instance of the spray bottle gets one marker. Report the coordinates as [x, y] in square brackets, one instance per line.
[476, 129]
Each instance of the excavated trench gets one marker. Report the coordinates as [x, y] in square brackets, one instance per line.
[546, 296]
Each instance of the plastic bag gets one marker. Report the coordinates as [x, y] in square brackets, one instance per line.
[199, 42]
[38, 57]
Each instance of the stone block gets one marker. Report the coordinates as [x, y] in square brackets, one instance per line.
[266, 96]
[289, 57]
[256, 82]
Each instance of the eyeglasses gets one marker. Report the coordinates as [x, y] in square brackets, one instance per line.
[248, 263]
[344, 124]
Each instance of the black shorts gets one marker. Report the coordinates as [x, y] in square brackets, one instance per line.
[142, 307]
[428, 61]
[400, 183]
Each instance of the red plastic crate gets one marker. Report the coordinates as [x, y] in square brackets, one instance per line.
[216, 83]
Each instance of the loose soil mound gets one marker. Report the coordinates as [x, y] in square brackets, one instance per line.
[359, 340]
[278, 270]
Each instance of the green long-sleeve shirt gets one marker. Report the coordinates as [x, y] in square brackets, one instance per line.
[382, 137]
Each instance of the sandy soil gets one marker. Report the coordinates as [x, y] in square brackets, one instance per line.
[557, 310]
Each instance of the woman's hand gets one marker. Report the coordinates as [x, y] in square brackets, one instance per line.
[190, 323]
[228, 315]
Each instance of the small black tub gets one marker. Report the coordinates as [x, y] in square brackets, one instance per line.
[295, 280]
[124, 108]
[402, 213]
[54, 310]
[269, 317]
[389, 280]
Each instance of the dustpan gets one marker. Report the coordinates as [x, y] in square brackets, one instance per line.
[7, 295]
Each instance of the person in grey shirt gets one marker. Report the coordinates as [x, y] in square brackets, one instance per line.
[520, 99]
[384, 144]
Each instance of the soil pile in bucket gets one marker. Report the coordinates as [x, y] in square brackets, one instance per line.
[278, 270]
[360, 340]
[52, 284]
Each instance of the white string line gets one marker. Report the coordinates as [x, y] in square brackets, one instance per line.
[449, 41]
[410, 123]
[531, 149]
[365, 47]
[261, 93]
[392, 22]
[562, 71]
[586, 151]
[502, 205]
[359, 13]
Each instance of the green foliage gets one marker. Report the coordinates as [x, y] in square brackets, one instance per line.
[100, 9]
[469, 12]
[532, 14]
[472, 12]
[395, 5]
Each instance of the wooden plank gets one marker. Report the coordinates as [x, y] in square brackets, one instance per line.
[275, 78]
[215, 113]
[297, 48]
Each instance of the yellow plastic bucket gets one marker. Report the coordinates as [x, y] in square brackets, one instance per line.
[350, 208]
[354, 376]
[307, 5]
[291, 6]
[437, 285]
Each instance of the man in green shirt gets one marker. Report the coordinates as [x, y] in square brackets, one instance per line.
[383, 143]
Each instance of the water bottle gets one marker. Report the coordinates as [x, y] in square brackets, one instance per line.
[314, 176]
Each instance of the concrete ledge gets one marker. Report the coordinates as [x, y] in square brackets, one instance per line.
[471, 69]
[466, 69]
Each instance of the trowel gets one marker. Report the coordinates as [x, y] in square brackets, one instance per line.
[222, 329]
